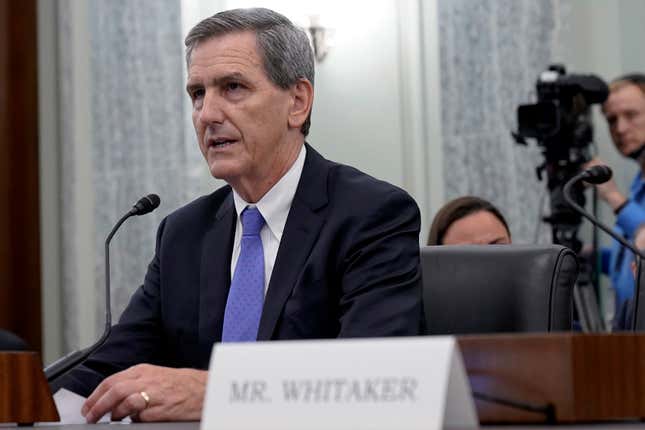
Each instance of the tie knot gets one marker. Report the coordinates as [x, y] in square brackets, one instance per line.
[252, 221]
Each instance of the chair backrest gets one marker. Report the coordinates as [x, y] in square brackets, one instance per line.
[498, 288]
[11, 342]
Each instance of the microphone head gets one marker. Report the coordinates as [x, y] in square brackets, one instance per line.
[597, 174]
[146, 204]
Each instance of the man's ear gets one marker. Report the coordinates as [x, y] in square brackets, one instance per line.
[302, 97]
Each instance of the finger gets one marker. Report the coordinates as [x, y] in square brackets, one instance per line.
[111, 398]
[131, 405]
[96, 394]
[105, 386]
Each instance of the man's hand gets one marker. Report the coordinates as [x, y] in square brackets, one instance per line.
[609, 190]
[173, 395]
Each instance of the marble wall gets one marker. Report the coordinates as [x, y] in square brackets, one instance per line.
[491, 53]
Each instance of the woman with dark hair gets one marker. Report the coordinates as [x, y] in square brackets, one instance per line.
[469, 220]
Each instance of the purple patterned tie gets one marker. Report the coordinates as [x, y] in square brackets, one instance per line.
[246, 295]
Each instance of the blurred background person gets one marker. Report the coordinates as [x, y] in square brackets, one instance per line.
[624, 111]
[469, 220]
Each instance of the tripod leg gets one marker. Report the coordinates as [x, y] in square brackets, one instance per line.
[584, 299]
[581, 310]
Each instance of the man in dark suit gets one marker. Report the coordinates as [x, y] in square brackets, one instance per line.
[295, 247]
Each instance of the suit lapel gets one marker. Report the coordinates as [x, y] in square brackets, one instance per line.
[215, 273]
[304, 222]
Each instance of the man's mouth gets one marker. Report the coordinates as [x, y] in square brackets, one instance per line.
[220, 143]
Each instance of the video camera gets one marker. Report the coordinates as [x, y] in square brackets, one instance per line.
[560, 121]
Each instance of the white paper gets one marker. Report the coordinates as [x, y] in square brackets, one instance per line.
[69, 406]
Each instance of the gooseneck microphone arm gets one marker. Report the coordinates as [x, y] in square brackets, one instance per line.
[594, 220]
[63, 365]
[598, 175]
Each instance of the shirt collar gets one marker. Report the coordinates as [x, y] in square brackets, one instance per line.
[275, 204]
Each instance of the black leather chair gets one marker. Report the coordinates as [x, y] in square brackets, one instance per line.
[11, 342]
[498, 288]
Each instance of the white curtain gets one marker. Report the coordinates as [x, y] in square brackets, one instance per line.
[121, 90]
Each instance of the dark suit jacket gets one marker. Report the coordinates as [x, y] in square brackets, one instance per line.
[347, 266]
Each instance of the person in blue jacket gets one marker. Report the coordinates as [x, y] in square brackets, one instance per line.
[625, 114]
[624, 317]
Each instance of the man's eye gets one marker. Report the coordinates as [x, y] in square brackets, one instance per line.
[631, 115]
[233, 86]
[197, 94]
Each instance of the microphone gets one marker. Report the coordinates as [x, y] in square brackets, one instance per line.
[598, 175]
[145, 205]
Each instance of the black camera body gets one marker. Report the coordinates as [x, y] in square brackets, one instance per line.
[560, 121]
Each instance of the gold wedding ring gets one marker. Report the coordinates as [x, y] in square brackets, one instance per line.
[146, 397]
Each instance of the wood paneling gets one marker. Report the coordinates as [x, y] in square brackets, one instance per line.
[584, 377]
[20, 298]
[24, 391]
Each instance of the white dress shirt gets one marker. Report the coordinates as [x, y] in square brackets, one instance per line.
[274, 207]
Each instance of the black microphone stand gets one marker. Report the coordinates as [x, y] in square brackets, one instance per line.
[640, 274]
[640, 257]
[64, 364]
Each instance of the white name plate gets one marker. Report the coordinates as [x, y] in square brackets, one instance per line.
[390, 383]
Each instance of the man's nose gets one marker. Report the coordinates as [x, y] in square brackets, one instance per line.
[622, 125]
[211, 111]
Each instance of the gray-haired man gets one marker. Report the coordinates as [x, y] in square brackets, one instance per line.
[295, 247]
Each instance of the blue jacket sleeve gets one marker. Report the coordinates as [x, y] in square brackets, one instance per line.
[630, 217]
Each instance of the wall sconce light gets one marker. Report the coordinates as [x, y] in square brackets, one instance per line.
[320, 37]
